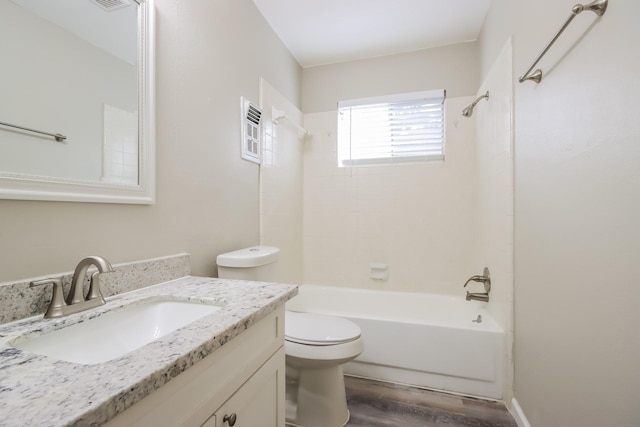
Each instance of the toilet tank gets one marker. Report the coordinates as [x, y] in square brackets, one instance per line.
[255, 263]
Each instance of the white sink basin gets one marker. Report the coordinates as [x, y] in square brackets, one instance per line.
[116, 333]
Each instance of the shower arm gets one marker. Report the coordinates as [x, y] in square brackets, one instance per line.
[468, 111]
[480, 98]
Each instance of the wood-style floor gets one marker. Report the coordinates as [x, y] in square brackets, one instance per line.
[380, 404]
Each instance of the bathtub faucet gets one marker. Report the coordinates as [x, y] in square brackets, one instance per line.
[480, 296]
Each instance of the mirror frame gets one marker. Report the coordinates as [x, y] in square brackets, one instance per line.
[35, 187]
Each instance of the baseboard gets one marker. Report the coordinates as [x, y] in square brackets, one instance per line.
[518, 414]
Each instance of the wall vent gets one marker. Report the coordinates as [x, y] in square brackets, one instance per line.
[111, 5]
[250, 121]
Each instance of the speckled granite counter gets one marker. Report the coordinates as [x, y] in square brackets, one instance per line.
[39, 391]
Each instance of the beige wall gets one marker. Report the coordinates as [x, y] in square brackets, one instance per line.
[453, 67]
[577, 204]
[208, 55]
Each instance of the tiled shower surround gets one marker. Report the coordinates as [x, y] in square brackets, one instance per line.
[418, 218]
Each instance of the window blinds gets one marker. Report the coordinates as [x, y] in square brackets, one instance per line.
[404, 127]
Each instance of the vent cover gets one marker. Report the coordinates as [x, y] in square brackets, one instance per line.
[111, 5]
[250, 121]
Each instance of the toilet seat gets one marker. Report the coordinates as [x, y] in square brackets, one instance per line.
[319, 330]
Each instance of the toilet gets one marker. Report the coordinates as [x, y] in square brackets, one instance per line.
[316, 347]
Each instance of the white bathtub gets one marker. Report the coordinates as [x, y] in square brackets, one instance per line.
[418, 339]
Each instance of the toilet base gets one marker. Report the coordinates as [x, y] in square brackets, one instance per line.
[316, 397]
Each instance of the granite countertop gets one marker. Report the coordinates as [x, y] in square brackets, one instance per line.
[37, 390]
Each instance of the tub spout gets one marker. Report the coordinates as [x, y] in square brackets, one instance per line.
[477, 296]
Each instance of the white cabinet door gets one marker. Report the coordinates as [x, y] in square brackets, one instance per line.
[258, 402]
[248, 368]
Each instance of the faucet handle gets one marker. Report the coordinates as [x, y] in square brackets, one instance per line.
[475, 278]
[94, 288]
[57, 300]
[485, 279]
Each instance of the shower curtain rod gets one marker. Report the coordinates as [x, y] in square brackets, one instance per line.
[598, 7]
[278, 114]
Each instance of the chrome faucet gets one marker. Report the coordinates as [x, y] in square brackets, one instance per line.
[480, 296]
[76, 301]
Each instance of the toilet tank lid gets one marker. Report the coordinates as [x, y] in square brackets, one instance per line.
[254, 256]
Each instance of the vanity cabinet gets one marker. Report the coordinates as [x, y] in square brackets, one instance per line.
[241, 384]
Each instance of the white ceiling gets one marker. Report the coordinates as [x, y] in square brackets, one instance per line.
[329, 31]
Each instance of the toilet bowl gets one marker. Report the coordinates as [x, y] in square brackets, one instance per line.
[316, 347]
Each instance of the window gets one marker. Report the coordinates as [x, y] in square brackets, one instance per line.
[389, 129]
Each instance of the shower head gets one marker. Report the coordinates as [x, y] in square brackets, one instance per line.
[468, 111]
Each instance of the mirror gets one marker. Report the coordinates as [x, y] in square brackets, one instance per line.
[77, 120]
